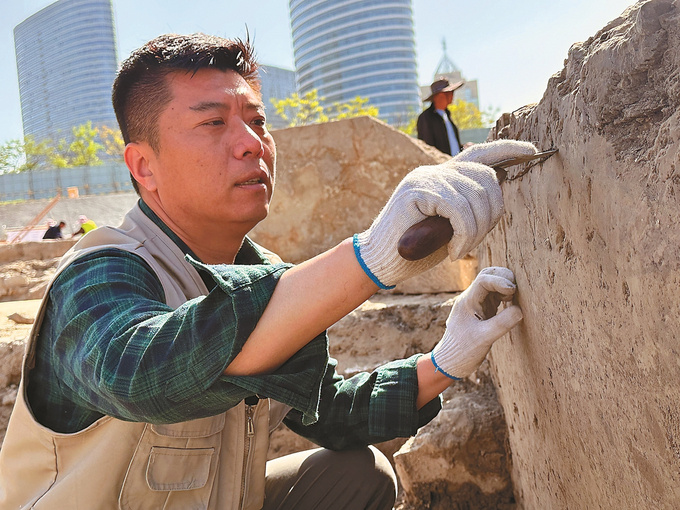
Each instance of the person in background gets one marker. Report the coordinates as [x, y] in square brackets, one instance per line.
[54, 232]
[435, 126]
[86, 225]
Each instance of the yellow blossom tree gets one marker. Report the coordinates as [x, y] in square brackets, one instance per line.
[307, 109]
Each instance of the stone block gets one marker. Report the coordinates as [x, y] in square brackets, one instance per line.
[459, 460]
[332, 180]
[388, 327]
[25, 279]
[34, 250]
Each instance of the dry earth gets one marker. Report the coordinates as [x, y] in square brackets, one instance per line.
[12, 334]
[10, 330]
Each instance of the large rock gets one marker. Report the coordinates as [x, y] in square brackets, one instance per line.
[333, 179]
[388, 327]
[25, 279]
[459, 461]
[590, 381]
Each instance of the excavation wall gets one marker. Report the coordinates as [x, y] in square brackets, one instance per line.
[590, 382]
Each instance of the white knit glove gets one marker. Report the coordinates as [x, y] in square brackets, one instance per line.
[467, 194]
[494, 152]
[464, 190]
[472, 326]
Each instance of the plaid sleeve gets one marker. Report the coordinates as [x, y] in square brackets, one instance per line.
[110, 345]
[367, 408]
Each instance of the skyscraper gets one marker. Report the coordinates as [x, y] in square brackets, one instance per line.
[350, 48]
[66, 61]
[277, 83]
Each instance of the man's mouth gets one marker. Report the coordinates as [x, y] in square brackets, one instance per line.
[255, 178]
[251, 181]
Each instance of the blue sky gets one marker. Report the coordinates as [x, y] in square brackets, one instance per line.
[511, 47]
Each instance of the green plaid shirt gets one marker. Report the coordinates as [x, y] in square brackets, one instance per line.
[109, 345]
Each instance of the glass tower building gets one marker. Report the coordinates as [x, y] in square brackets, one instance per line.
[350, 48]
[66, 61]
[277, 83]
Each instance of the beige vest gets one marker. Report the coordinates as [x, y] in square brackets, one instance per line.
[210, 463]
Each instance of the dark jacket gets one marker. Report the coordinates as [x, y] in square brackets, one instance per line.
[53, 232]
[431, 130]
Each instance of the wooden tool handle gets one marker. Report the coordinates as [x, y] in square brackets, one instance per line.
[424, 238]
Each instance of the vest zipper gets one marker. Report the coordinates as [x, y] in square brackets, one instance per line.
[250, 432]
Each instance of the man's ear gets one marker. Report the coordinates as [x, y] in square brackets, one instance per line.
[139, 158]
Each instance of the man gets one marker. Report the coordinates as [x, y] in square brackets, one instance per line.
[86, 225]
[435, 126]
[167, 349]
[54, 232]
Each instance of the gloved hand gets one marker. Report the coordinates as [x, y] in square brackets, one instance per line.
[467, 194]
[473, 326]
[462, 190]
[494, 152]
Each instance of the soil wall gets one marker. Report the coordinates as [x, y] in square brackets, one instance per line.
[590, 381]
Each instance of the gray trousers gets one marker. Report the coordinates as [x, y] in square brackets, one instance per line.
[327, 480]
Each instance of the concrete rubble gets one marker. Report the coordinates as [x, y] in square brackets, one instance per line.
[25, 268]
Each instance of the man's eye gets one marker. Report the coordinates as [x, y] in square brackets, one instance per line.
[215, 122]
[260, 121]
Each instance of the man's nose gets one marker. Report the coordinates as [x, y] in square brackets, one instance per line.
[248, 143]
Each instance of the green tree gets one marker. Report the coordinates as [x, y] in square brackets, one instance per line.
[20, 156]
[410, 127]
[82, 150]
[11, 157]
[466, 115]
[86, 147]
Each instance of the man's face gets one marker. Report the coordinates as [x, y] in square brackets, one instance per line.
[442, 99]
[215, 163]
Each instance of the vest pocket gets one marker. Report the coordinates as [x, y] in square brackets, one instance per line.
[174, 466]
[173, 469]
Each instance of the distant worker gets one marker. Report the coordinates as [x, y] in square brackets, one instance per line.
[54, 232]
[85, 225]
[435, 126]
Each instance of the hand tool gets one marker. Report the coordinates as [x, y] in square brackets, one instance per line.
[433, 232]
